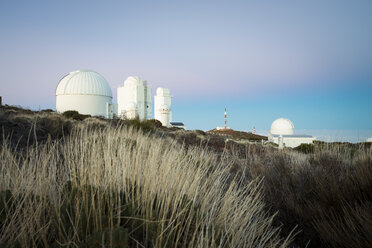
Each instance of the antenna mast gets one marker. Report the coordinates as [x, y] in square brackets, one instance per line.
[225, 119]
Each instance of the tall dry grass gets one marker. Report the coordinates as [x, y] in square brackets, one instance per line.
[327, 193]
[117, 187]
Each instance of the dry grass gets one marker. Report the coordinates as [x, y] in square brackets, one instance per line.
[327, 193]
[116, 187]
[95, 183]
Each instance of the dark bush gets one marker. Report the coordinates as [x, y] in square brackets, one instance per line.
[146, 125]
[200, 132]
[155, 123]
[327, 194]
[305, 148]
[72, 114]
[46, 110]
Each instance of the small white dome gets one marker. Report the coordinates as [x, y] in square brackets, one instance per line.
[162, 92]
[282, 126]
[83, 82]
[369, 140]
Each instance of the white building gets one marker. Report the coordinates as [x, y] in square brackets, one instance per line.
[87, 92]
[162, 105]
[282, 133]
[135, 99]
[222, 128]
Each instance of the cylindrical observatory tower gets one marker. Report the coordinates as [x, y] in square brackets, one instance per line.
[162, 104]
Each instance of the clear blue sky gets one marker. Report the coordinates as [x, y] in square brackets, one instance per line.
[309, 61]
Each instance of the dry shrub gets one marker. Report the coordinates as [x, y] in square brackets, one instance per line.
[339, 228]
[24, 127]
[116, 187]
[327, 194]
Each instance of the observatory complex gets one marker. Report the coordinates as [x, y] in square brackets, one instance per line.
[282, 133]
[88, 92]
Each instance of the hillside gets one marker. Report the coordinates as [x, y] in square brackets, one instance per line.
[94, 182]
[238, 134]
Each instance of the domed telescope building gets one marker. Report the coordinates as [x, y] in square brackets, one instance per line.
[87, 92]
[135, 99]
[282, 133]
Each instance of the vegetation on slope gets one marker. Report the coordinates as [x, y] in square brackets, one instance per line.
[114, 186]
[103, 181]
[328, 194]
[238, 134]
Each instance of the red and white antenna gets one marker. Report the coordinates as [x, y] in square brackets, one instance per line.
[225, 119]
[254, 130]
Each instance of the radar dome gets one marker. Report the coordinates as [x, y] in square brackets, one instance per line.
[282, 126]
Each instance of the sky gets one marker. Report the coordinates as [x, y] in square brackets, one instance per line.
[308, 61]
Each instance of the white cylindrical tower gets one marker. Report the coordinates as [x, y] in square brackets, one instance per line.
[162, 104]
[280, 142]
[84, 91]
[164, 115]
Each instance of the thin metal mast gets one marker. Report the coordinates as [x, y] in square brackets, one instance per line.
[225, 119]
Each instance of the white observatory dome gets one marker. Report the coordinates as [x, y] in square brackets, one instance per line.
[83, 82]
[84, 91]
[282, 126]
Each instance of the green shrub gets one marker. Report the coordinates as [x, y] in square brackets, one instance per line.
[72, 114]
[305, 148]
[146, 125]
[47, 111]
[155, 123]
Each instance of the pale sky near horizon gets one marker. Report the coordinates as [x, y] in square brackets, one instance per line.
[308, 61]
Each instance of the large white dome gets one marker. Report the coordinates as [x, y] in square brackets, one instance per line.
[282, 126]
[84, 91]
[83, 82]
